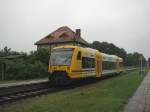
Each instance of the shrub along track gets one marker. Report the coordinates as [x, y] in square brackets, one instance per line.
[15, 93]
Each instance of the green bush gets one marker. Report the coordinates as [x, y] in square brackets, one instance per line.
[23, 70]
[33, 65]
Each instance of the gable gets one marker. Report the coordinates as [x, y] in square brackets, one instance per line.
[61, 35]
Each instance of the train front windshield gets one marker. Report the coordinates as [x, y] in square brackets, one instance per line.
[61, 56]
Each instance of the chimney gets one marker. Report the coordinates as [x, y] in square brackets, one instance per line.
[78, 33]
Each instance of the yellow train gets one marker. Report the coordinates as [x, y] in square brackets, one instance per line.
[72, 62]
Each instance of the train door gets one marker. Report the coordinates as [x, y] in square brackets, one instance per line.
[98, 66]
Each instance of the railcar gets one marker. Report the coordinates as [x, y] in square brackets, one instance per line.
[74, 62]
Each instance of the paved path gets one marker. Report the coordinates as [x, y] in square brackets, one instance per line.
[140, 102]
[23, 83]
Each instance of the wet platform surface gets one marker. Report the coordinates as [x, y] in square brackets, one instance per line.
[140, 102]
[23, 83]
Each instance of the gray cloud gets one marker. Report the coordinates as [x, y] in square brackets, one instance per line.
[125, 23]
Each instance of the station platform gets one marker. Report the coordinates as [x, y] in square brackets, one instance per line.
[5, 85]
[140, 102]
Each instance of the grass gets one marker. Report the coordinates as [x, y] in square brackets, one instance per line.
[108, 95]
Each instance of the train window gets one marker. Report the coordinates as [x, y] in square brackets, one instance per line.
[62, 56]
[109, 65]
[79, 55]
[88, 62]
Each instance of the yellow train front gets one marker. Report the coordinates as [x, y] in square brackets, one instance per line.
[72, 62]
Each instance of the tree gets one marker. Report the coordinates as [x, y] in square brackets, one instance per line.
[130, 59]
[7, 51]
[41, 55]
[109, 48]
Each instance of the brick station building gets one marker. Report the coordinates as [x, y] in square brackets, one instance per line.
[62, 36]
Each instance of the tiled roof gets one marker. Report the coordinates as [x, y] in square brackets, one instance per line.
[61, 35]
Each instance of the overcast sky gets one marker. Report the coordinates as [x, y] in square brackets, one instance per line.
[126, 23]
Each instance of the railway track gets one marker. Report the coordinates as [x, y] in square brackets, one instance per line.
[15, 93]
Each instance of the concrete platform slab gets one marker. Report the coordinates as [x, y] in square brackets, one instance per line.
[23, 83]
[140, 102]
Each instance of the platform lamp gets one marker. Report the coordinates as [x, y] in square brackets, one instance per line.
[141, 64]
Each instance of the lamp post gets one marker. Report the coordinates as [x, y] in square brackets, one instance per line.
[141, 64]
[3, 71]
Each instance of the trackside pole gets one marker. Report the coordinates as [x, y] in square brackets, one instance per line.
[141, 66]
[3, 71]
